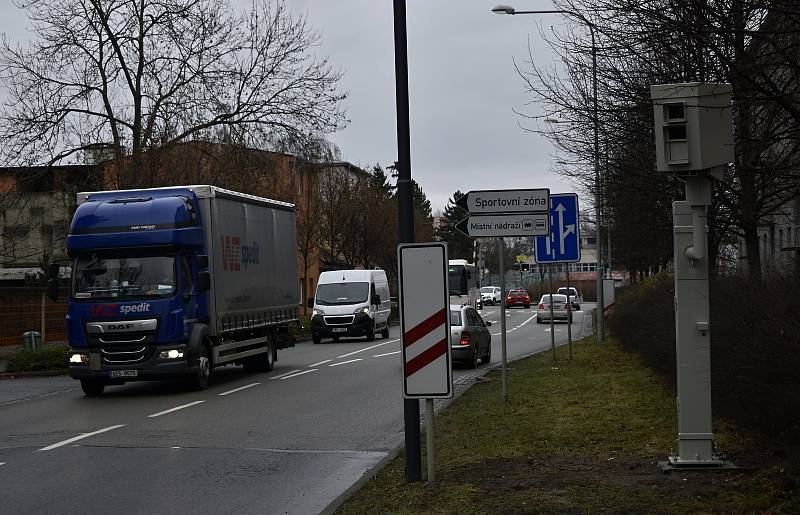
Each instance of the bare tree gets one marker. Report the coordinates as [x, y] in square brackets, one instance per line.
[753, 44]
[142, 74]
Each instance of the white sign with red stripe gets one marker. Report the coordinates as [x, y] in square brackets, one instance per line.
[425, 320]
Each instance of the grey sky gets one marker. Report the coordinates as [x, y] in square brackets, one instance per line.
[463, 87]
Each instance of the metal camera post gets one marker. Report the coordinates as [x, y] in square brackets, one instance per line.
[693, 142]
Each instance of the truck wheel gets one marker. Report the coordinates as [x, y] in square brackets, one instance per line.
[269, 359]
[385, 332]
[371, 333]
[92, 387]
[199, 379]
[263, 362]
[317, 339]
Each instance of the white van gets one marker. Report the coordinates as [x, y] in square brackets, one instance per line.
[351, 303]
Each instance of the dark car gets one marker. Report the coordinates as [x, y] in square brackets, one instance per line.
[470, 339]
[518, 298]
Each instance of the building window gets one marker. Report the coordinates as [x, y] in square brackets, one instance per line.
[780, 239]
[592, 267]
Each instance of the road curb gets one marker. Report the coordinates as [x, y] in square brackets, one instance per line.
[40, 373]
[461, 385]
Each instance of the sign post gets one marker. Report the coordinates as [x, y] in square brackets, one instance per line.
[562, 245]
[425, 329]
[501, 213]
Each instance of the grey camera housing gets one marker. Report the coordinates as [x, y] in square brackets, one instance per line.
[693, 124]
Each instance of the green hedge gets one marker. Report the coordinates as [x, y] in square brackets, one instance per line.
[755, 346]
[52, 358]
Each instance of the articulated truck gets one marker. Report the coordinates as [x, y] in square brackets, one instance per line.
[173, 282]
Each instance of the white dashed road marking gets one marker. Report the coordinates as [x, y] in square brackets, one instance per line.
[344, 362]
[285, 374]
[240, 389]
[176, 408]
[80, 437]
[366, 349]
[387, 354]
[320, 363]
[299, 373]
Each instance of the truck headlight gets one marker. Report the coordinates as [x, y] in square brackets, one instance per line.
[359, 311]
[316, 312]
[171, 354]
[78, 358]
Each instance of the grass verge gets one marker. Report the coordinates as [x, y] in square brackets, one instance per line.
[585, 437]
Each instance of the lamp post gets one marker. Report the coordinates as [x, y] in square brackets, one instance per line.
[405, 202]
[506, 9]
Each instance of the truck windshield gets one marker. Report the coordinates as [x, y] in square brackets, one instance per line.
[342, 293]
[98, 277]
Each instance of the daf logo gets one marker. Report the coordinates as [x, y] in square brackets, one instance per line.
[119, 327]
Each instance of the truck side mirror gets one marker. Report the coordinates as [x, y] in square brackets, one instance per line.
[203, 281]
[202, 261]
[376, 299]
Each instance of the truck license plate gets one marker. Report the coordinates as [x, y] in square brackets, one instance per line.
[123, 373]
[339, 329]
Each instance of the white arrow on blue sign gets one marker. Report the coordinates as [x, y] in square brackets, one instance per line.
[564, 243]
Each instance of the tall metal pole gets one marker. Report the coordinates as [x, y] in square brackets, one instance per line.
[552, 322]
[405, 204]
[597, 196]
[569, 314]
[595, 122]
[502, 268]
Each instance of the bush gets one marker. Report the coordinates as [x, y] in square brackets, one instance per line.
[301, 329]
[755, 339]
[51, 358]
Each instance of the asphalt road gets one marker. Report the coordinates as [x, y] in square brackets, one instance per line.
[288, 441]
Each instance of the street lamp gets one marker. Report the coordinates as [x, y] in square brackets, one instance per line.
[507, 9]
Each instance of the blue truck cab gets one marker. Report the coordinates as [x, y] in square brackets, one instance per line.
[172, 282]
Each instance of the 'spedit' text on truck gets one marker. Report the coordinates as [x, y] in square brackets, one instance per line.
[171, 282]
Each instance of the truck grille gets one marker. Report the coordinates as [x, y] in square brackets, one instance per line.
[134, 344]
[124, 354]
[341, 320]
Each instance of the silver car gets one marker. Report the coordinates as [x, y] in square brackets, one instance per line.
[470, 339]
[561, 310]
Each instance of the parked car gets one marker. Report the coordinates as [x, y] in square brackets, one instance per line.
[518, 298]
[561, 310]
[491, 295]
[574, 296]
[470, 339]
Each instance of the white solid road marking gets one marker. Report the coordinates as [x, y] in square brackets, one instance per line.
[366, 349]
[387, 354]
[239, 389]
[176, 408]
[320, 363]
[299, 373]
[80, 437]
[344, 362]
[285, 374]
[2, 463]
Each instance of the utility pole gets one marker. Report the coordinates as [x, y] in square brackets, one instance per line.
[405, 204]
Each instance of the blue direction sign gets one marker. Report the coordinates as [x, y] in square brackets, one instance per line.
[564, 243]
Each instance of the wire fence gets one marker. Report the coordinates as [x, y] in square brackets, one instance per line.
[25, 309]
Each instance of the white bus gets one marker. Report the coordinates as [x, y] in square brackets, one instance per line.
[464, 283]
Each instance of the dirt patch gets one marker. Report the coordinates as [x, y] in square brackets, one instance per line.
[564, 484]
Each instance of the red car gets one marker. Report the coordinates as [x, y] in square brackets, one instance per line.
[518, 298]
